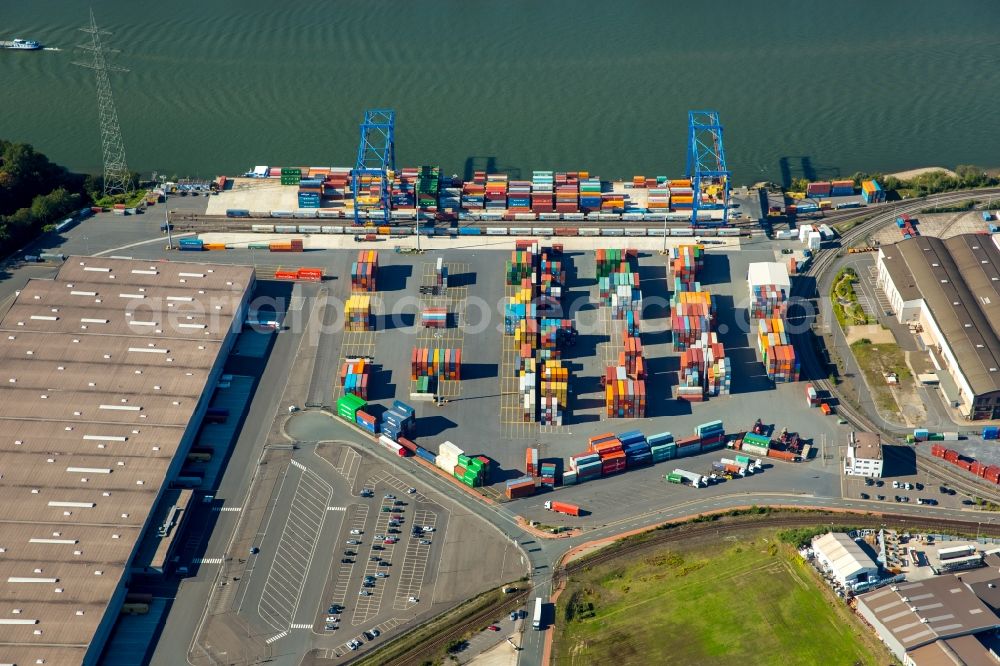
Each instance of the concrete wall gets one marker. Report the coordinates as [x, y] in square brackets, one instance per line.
[905, 310]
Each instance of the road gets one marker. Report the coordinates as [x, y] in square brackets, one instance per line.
[541, 555]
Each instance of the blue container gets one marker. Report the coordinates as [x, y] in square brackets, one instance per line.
[662, 438]
[631, 436]
[991, 432]
[426, 455]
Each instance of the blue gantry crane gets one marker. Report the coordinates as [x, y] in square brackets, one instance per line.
[376, 159]
[706, 166]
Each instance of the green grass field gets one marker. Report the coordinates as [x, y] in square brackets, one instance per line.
[746, 602]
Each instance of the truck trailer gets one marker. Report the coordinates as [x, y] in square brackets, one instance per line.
[563, 507]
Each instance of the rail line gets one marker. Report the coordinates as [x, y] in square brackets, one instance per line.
[823, 262]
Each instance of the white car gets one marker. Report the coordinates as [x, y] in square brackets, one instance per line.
[428, 528]
[332, 618]
[374, 632]
[381, 574]
[411, 491]
[895, 484]
[356, 532]
[413, 600]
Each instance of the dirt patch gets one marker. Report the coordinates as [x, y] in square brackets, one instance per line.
[913, 173]
[873, 332]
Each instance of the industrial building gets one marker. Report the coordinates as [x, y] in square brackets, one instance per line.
[864, 455]
[935, 622]
[845, 559]
[951, 289]
[108, 370]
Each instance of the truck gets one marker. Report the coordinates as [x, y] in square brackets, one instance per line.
[694, 480]
[536, 618]
[563, 507]
[742, 469]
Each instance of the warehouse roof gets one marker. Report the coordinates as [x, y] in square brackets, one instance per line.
[769, 272]
[920, 613]
[959, 280]
[867, 445]
[845, 555]
[961, 651]
[100, 374]
[900, 273]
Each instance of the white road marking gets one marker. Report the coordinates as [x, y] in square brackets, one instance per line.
[227, 508]
[276, 637]
[336, 508]
[206, 560]
[301, 626]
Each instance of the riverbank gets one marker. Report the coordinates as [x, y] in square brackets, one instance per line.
[913, 173]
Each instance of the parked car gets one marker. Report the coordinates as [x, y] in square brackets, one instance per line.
[869, 482]
[382, 563]
[353, 542]
[880, 497]
[493, 627]
[425, 542]
[381, 574]
[347, 560]
[356, 532]
[330, 627]
[377, 547]
[374, 558]
[895, 484]
[389, 541]
[919, 486]
[350, 553]
[334, 609]
[967, 502]
[411, 490]
[365, 593]
[392, 497]
[428, 528]
[865, 496]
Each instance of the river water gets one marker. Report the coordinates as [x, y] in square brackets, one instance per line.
[814, 89]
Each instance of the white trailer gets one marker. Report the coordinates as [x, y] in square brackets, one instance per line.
[696, 480]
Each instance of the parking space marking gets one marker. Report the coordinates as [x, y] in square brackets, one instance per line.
[369, 606]
[287, 575]
[512, 423]
[348, 464]
[392, 481]
[411, 574]
[359, 515]
[391, 623]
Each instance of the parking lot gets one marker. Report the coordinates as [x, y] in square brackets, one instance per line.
[921, 490]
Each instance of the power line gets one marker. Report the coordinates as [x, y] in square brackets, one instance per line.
[117, 179]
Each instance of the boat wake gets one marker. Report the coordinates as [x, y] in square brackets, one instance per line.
[51, 48]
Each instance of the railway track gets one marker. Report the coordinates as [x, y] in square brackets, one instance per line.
[821, 264]
[432, 648]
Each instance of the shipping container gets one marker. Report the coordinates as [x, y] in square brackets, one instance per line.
[563, 507]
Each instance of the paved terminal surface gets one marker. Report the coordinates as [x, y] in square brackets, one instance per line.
[238, 606]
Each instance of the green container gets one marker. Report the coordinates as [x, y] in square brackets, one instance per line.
[935, 437]
[291, 171]
[258, 246]
[910, 439]
[475, 465]
[743, 460]
[348, 405]
[423, 385]
[463, 460]
[675, 478]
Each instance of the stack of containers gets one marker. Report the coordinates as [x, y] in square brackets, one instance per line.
[527, 386]
[364, 270]
[428, 182]
[610, 261]
[441, 274]
[688, 446]
[636, 448]
[567, 192]
[366, 421]
[818, 190]
[470, 471]
[542, 192]
[447, 457]
[436, 362]
[755, 444]
[354, 377]
[531, 464]
[712, 435]
[662, 447]
[348, 406]
[358, 313]
[693, 313]
[519, 196]
[496, 191]
[450, 198]
[612, 202]
[520, 267]
[548, 474]
[554, 391]
[474, 192]
[842, 188]
[522, 487]
[778, 355]
[685, 262]
[590, 193]
[812, 397]
[624, 397]
[434, 317]
[289, 175]
[872, 192]
[293, 245]
[404, 188]
[398, 421]
[631, 357]
[704, 370]
[610, 450]
[623, 293]
[585, 466]
[768, 301]
[658, 199]
[681, 194]
[310, 192]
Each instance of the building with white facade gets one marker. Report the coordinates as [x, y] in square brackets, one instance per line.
[864, 455]
[845, 559]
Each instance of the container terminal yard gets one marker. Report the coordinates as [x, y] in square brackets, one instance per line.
[395, 429]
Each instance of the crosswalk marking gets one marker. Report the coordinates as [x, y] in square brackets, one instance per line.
[276, 637]
[301, 626]
[207, 560]
[296, 463]
[336, 508]
[227, 508]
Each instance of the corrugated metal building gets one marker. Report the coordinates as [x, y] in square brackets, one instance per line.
[931, 622]
[952, 288]
[845, 559]
[106, 374]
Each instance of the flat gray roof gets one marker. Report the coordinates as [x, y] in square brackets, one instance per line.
[101, 371]
[959, 279]
[922, 612]
[961, 651]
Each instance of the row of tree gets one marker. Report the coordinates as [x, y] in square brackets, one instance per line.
[34, 193]
[967, 176]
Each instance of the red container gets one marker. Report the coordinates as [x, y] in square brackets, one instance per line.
[781, 455]
[406, 444]
[525, 489]
[937, 450]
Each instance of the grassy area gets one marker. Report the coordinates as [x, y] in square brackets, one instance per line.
[846, 308]
[751, 601]
[129, 200]
[877, 360]
[955, 208]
